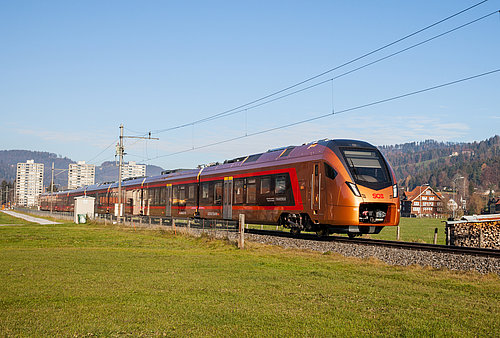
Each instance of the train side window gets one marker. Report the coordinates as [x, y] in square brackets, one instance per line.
[163, 195]
[218, 193]
[175, 195]
[191, 193]
[280, 185]
[204, 190]
[251, 191]
[239, 193]
[265, 185]
[330, 172]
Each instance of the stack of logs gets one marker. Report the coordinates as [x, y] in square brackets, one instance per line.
[474, 234]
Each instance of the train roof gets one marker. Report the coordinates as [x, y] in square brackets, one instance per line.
[282, 155]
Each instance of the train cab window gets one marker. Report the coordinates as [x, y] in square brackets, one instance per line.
[265, 185]
[330, 172]
[280, 185]
[239, 193]
[218, 193]
[251, 191]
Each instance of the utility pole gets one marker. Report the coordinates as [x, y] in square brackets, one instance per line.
[52, 187]
[120, 151]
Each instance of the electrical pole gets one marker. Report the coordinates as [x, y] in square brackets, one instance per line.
[120, 154]
[120, 151]
[52, 187]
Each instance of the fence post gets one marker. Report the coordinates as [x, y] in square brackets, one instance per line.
[150, 221]
[241, 242]
[397, 233]
[435, 236]
[161, 221]
[173, 226]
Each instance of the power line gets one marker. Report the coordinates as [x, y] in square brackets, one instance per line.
[93, 158]
[323, 73]
[353, 70]
[329, 114]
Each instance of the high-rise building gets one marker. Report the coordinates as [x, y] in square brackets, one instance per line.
[80, 174]
[29, 183]
[131, 169]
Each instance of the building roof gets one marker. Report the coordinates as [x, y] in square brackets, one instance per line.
[419, 190]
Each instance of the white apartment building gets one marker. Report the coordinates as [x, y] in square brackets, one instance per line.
[29, 183]
[80, 174]
[132, 169]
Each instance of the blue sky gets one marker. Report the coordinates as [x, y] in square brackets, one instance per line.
[72, 71]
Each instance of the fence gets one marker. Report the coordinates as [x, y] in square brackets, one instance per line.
[214, 228]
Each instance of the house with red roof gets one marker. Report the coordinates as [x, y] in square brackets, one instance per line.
[421, 201]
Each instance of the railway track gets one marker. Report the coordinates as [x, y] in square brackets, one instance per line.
[384, 243]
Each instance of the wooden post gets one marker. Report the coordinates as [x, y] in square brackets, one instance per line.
[435, 236]
[161, 221]
[241, 241]
[173, 226]
[397, 233]
[150, 221]
[447, 230]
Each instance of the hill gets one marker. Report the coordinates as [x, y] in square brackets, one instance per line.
[107, 171]
[438, 163]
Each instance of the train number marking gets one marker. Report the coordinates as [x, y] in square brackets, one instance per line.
[377, 195]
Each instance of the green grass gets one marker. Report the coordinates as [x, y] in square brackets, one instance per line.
[415, 230]
[8, 219]
[94, 280]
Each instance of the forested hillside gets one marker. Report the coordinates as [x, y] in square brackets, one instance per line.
[438, 163]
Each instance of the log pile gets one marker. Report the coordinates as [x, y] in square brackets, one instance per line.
[485, 234]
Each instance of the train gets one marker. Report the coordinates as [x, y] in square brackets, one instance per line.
[327, 186]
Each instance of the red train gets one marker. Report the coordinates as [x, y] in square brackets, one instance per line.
[328, 186]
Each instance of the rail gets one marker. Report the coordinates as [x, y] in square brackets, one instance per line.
[386, 243]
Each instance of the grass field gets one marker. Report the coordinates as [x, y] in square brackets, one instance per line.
[94, 280]
[415, 230]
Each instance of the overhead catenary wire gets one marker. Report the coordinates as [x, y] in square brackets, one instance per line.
[320, 74]
[96, 156]
[329, 114]
[352, 70]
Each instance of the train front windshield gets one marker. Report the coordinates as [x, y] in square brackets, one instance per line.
[367, 167]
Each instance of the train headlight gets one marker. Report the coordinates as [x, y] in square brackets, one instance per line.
[395, 191]
[354, 189]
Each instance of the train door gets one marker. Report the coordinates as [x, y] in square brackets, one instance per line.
[316, 188]
[168, 208]
[227, 198]
[136, 204]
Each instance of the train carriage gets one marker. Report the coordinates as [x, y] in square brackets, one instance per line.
[328, 186]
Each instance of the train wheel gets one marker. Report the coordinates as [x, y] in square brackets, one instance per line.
[323, 232]
[351, 235]
[295, 231]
